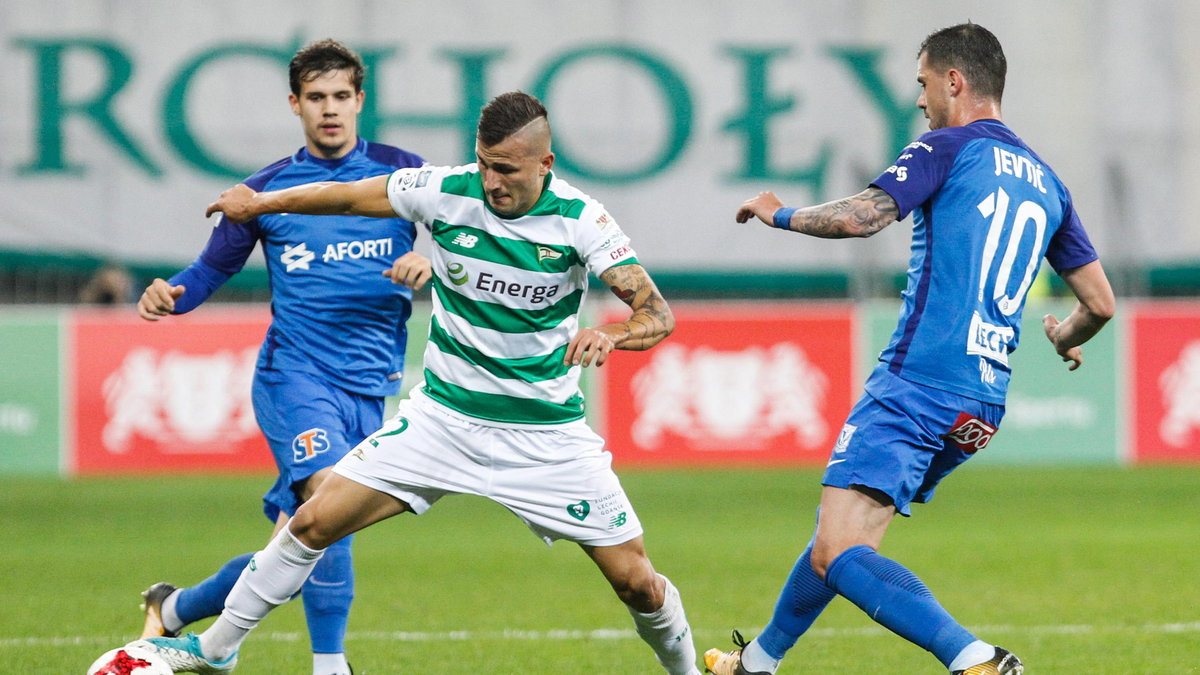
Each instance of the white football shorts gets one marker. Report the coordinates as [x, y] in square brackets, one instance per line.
[559, 481]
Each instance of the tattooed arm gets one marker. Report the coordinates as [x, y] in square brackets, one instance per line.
[862, 215]
[650, 322]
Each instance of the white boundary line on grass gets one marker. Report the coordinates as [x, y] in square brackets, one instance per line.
[621, 634]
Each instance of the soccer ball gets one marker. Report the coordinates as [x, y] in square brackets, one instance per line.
[130, 660]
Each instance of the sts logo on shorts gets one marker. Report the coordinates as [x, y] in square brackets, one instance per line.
[308, 444]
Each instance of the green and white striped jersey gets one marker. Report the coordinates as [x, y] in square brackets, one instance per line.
[506, 293]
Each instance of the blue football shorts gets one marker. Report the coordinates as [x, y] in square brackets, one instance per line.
[902, 438]
[309, 425]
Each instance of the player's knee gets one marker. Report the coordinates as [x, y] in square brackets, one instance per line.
[308, 528]
[823, 554]
[640, 588]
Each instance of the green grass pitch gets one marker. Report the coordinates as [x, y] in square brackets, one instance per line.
[1077, 570]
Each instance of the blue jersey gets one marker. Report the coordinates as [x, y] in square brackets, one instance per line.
[334, 314]
[986, 210]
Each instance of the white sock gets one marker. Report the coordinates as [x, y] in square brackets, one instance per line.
[755, 660]
[330, 664]
[972, 655]
[166, 611]
[273, 577]
[668, 634]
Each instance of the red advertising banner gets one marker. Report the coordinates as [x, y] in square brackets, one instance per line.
[1164, 361]
[172, 395]
[746, 384]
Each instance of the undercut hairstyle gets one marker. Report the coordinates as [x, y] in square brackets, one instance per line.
[507, 114]
[324, 56]
[972, 50]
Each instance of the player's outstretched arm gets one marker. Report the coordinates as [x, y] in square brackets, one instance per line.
[861, 215]
[650, 322]
[1095, 307]
[366, 197]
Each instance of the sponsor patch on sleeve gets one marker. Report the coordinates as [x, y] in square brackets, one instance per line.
[403, 180]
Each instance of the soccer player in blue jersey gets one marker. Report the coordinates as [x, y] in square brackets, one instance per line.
[986, 209]
[341, 291]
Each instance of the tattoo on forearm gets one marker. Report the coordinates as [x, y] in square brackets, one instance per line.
[651, 320]
[862, 215]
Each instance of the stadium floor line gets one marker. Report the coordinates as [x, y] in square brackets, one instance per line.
[623, 634]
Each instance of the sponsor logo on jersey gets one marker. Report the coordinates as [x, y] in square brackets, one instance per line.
[989, 341]
[490, 283]
[465, 240]
[621, 252]
[308, 444]
[457, 273]
[356, 250]
[987, 374]
[900, 171]
[547, 253]
[603, 221]
[970, 433]
[297, 257]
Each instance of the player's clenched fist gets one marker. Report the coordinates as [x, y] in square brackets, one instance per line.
[590, 345]
[411, 269]
[158, 300]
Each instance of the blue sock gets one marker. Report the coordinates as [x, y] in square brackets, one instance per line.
[801, 601]
[327, 596]
[207, 598]
[895, 598]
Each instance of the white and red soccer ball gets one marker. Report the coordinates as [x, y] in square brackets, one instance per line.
[129, 660]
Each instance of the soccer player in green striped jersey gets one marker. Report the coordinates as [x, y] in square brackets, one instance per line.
[499, 413]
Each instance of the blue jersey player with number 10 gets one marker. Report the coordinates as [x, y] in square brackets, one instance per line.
[341, 293]
[986, 210]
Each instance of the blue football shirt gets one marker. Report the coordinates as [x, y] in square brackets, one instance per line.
[334, 314]
[986, 210]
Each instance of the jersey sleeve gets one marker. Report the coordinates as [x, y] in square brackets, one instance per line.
[1070, 246]
[919, 171]
[413, 192]
[602, 244]
[228, 248]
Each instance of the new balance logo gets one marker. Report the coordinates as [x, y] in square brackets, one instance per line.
[297, 257]
[465, 240]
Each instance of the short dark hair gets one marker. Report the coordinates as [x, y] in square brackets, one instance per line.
[972, 49]
[321, 57]
[506, 114]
